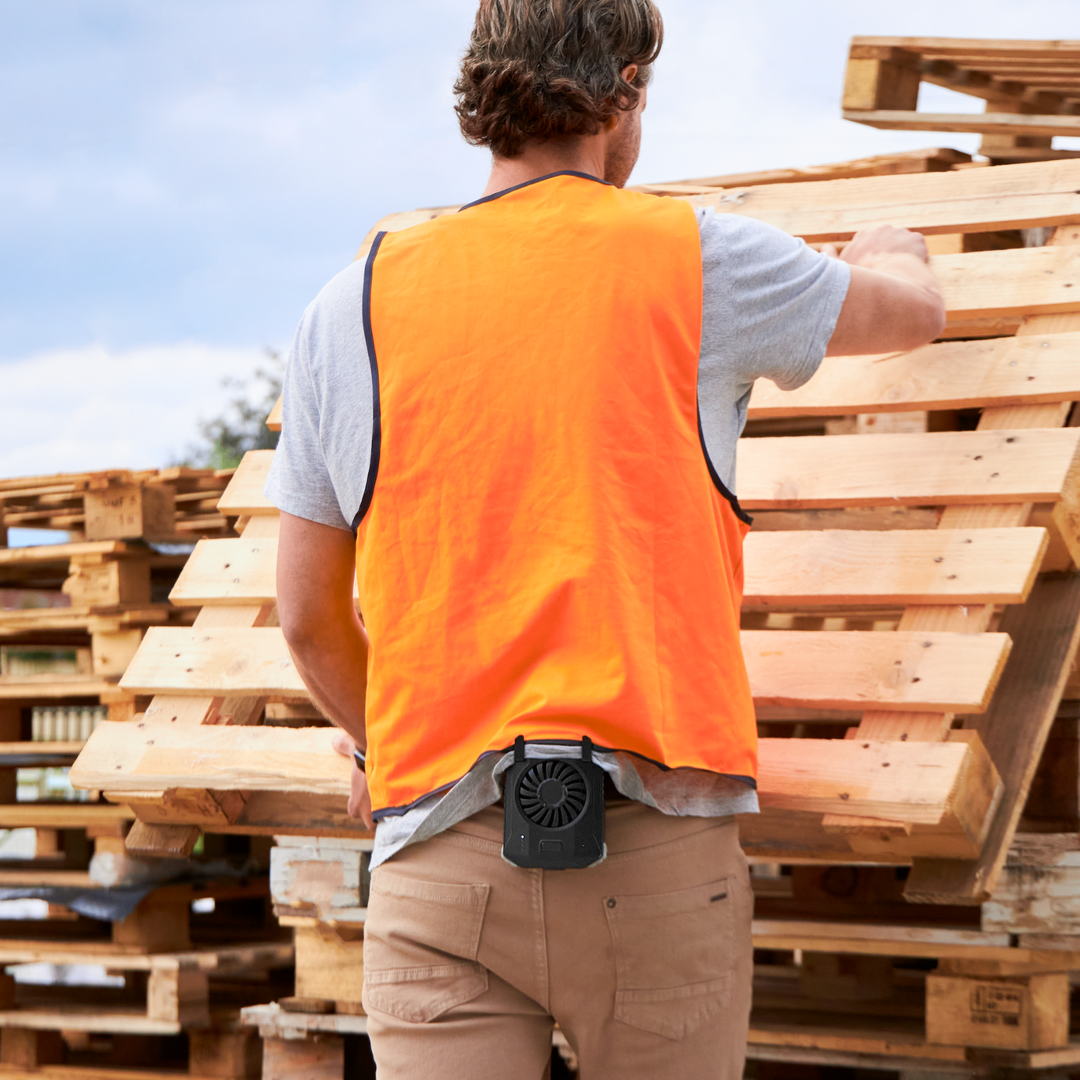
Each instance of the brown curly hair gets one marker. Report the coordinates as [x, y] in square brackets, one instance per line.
[541, 69]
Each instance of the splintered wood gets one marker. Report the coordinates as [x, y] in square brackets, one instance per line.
[873, 593]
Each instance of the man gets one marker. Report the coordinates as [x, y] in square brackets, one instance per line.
[516, 425]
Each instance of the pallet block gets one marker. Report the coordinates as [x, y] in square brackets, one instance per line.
[1021, 1012]
[310, 1046]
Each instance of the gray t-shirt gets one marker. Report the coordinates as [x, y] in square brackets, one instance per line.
[769, 308]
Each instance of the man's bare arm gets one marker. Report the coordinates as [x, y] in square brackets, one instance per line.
[894, 301]
[315, 569]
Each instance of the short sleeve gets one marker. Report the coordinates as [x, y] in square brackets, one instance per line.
[769, 307]
[299, 482]
[779, 298]
[321, 464]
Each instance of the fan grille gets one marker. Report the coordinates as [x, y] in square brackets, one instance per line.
[552, 794]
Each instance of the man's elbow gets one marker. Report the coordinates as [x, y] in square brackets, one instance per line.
[924, 322]
[301, 628]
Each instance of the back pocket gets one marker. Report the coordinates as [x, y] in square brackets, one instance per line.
[675, 956]
[421, 939]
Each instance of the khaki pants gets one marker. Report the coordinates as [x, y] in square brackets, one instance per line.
[644, 961]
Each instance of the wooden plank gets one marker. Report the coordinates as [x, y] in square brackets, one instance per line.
[793, 569]
[950, 467]
[76, 1017]
[971, 200]
[957, 941]
[816, 669]
[62, 816]
[61, 553]
[75, 879]
[991, 566]
[950, 375]
[240, 571]
[1046, 634]
[1019, 281]
[981, 48]
[244, 494]
[273, 421]
[899, 781]
[989, 123]
[852, 669]
[934, 159]
[936, 468]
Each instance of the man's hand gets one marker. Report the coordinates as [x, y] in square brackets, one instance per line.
[894, 302]
[359, 797]
[872, 246]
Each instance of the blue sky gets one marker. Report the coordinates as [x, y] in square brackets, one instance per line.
[179, 177]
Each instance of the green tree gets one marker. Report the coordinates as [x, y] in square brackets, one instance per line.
[225, 439]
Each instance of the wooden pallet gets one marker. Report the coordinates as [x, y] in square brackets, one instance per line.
[309, 1046]
[224, 1051]
[1031, 90]
[175, 986]
[167, 505]
[819, 592]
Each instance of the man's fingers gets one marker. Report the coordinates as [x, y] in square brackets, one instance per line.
[360, 799]
[343, 744]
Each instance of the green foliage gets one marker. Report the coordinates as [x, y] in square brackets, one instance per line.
[225, 439]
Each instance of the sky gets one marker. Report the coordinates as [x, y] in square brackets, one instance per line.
[178, 178]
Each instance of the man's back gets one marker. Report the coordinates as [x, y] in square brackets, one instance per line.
[544, 552]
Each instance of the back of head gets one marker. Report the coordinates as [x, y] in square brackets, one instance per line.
[548, 69]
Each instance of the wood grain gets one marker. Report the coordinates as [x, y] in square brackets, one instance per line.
[782, 568]
[975, 200]
[244, 494]
[958, 467]
[816, 669]
[989, 123]
[901, 781]
[949, 375]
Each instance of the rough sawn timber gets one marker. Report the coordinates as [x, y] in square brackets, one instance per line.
[817, 669]
[915, 782]
[971, 200]
[949, 375]
[843, 567]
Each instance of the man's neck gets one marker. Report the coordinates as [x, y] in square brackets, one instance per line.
[584, 155]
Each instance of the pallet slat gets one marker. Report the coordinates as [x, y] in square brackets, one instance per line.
[818, 775]
[960, 467]
[990, 123]
[950, 375]
[951, 672]
[796, 568]
[975, 200]
[950, 467]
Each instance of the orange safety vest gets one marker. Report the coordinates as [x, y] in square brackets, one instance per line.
[543, 548]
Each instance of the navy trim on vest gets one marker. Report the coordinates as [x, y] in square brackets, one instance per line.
[376, 409]
[740, 513]
[536, 180]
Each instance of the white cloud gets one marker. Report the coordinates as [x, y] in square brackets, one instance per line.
[80, 409]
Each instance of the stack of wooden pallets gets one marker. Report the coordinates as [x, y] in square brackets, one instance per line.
[1031, 90]
[911, 620]
[165, 981]
[72, 616]
[160, 504]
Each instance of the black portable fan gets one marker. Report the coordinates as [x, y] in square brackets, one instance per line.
[554, 810]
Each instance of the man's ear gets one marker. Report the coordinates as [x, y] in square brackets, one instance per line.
[629, 73]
